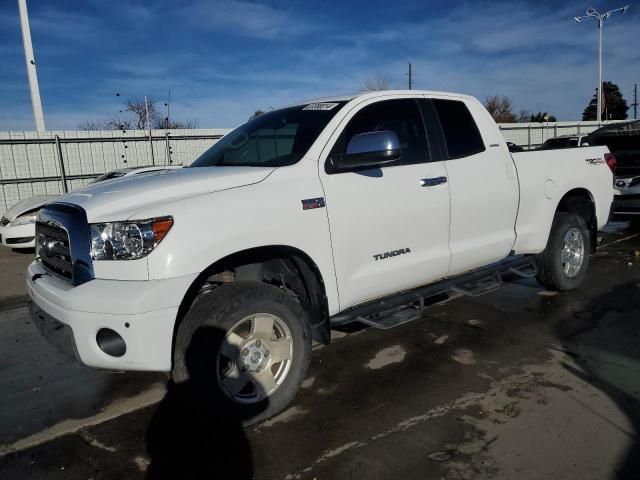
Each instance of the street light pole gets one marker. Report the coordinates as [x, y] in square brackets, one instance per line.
[600, 90]
[600, 18]
[36, 102]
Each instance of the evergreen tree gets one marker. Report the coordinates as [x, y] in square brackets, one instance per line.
[614, 106]
[541, 117]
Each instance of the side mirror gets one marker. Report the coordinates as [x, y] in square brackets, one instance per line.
[368, 150]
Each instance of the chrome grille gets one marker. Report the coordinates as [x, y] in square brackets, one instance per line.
[4, 221]
[52, 249]
[63, 245]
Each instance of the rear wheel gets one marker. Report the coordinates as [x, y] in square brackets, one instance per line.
[257, 347]
[563, 263]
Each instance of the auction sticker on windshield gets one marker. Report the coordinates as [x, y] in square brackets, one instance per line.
[320, 106]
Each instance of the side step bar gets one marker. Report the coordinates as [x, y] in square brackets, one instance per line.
[409, 305]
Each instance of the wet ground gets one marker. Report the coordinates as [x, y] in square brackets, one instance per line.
[519, 383]
[13, 265]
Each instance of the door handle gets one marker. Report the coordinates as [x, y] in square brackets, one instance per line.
[432, 182]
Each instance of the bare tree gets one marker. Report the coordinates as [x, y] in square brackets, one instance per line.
[524, 116]
[167, 124]
[139, 110]
[376, 83]
[134, 116]
[500, 109]
[118, 124]
[90, 125]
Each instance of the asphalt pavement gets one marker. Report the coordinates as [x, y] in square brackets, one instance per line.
[13, 265]
[519, 383]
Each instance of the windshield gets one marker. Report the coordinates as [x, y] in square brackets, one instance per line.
[273, 139]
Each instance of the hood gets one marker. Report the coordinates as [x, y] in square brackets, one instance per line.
[31, 203]
[119, 199]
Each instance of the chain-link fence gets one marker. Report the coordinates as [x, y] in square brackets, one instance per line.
[50, 163]
[532, 135]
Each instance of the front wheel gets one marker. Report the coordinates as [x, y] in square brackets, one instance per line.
[563, 263]
[249, 341]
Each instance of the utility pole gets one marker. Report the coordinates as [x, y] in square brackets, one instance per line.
[146, 116]
[36, 103]
[169, 109]
[146, 107]
[410, 77]
[635, 101]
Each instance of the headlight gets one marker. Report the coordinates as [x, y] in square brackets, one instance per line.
[127, 240]
[25, 219]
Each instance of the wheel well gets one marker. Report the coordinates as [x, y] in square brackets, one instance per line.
[285, 267]
[581, 202]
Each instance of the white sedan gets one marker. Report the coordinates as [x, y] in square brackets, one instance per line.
[17, 225]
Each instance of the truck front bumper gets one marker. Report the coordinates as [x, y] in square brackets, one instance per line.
[141, 314]
[58, 334]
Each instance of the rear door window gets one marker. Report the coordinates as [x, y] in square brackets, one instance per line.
[461, 134]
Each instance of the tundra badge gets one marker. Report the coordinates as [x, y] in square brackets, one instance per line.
[393, 253]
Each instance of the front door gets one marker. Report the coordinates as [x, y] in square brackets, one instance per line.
[389, 225]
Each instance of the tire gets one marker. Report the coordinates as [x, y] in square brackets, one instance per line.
[564, 262]
[232, 336]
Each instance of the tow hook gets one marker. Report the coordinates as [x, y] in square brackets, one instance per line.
[37, 276]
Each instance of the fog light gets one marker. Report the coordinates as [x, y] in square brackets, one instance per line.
[111, 342]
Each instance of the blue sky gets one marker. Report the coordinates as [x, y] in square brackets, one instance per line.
[224, 59]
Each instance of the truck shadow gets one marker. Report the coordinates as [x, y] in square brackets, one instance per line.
[603, 340]
[196, 431]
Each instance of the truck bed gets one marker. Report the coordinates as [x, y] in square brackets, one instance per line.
[545, 176]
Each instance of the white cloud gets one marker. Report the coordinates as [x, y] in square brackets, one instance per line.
[538, 57]
[247, 18]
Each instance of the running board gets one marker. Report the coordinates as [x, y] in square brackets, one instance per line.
[480, 286]
[387, 320]
[527, 271]
[410, 305]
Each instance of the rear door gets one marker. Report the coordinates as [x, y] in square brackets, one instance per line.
[482, 183]
[390, 225]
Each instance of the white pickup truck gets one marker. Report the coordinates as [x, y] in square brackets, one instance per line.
[363, 208]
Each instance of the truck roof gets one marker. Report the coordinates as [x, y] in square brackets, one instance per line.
[377, 93]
